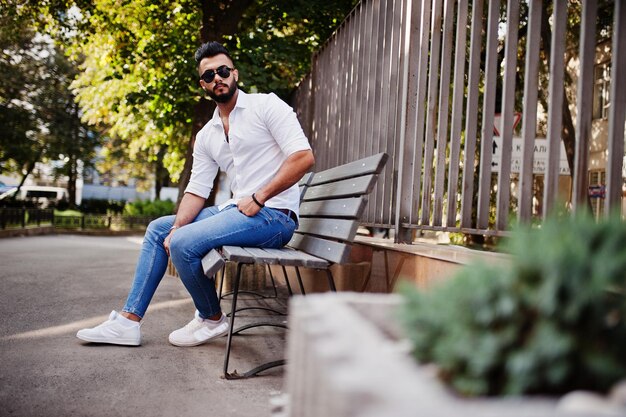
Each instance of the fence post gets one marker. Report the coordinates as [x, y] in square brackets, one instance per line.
[82, 222]
[109, 221]
[24, 212]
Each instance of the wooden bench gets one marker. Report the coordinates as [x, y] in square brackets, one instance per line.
[332, 204]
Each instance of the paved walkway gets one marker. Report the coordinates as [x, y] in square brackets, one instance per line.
[51, 286]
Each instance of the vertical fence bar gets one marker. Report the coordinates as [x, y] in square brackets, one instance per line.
[584, 102]
[373, 76]
[352, 85]
[508, 108]
[333, 78]
[401, 20]
[617, 111]
[433, 83]
[360, 77]
[471, 118]
[489, 105]
[421, 97]
[529, 118]
[345, 106]
[366, 76]
[443, 113]
[381, 59]
[388, 116]
[408, 140]
[555, 111]
[340, 63]
[457, 112]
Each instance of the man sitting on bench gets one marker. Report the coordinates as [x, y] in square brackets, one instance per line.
[257, 140]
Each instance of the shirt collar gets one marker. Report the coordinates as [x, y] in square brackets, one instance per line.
[242, 103]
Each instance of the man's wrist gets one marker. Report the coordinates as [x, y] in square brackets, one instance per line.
[257, 202]
[173, 228]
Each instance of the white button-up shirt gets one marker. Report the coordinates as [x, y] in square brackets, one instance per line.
[263, 132]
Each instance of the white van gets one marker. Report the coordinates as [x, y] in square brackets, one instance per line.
[43, 195]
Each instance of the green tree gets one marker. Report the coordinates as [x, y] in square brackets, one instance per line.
[39, 116]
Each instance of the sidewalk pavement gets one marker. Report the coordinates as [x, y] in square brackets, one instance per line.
[51, 286]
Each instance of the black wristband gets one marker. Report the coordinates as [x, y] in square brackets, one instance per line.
[257, 201]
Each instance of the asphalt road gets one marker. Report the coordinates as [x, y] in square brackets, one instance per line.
[51, 286]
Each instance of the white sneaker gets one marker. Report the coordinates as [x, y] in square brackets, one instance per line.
[113, 331]
[199, 331]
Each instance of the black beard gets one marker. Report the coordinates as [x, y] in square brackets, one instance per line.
[224, 98]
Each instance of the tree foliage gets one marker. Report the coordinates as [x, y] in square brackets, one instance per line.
[136, 73]
[276, 39]
[38, 114]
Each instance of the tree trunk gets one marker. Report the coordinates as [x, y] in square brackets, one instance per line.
[567, 126]
[31, 167]
[72, 174]
[160, 173]
[219, 18]
[568, 132]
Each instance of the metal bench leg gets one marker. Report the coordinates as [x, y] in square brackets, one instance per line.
[287, 280]
[221, 284]
[300, 281]
[269, 268]
[331, 281]
[233, 310]
[258, 369]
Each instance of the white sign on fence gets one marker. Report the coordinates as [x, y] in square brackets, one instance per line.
[540, 156]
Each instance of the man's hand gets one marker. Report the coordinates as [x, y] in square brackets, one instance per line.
[248, 207]
[166, 242]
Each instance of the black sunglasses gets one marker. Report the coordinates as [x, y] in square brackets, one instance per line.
[209, 75]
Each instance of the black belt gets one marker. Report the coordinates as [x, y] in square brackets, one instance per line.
[289, 213]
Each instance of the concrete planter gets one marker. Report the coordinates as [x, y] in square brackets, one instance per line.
[346, 357]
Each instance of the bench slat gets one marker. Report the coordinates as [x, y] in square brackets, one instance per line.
[262, 255]
[237, 254]
[370, 165]
[352, 187]
[291, 257]
[327, 249]
[346, 207]
[303, 184]
[329, 228]
[306, 178]
[212, 262]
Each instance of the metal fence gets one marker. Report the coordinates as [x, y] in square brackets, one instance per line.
[25, 217]
[16, 218]
[439, 85]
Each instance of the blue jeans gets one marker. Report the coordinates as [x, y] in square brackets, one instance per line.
[212, 228]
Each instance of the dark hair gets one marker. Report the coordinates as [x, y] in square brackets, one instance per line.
[210, 49]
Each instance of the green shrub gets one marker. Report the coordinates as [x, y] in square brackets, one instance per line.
[156, 208]
[101, 206]
[552, 321]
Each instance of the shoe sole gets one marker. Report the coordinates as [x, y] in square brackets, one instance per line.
[122, 342]
[197, 343]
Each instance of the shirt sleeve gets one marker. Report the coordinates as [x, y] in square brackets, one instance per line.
[284, 126]
[204, 168]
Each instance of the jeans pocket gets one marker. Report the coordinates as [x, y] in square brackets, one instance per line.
[274, 242]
